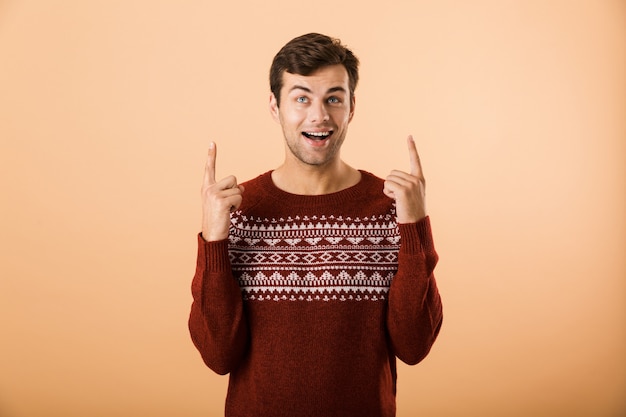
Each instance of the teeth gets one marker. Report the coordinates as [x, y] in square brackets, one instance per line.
[318, 134]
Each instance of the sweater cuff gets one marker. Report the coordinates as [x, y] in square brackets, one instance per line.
[213, 256]
[416, 237]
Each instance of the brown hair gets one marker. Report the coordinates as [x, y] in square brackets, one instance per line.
[307, 53]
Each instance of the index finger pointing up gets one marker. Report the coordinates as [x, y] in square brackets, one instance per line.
[414, 158]
[209, 173]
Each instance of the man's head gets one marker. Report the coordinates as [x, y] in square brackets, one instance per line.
[308, 53]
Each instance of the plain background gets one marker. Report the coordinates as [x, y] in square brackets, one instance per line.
[106, 111]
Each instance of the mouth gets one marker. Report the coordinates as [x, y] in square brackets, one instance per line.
[318, 136]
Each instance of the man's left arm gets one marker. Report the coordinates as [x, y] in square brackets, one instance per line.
[415, 310]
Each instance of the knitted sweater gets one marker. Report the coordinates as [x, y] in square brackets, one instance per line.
[310, 300]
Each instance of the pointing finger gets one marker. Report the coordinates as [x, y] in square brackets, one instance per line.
[209, 173]
[414, 158]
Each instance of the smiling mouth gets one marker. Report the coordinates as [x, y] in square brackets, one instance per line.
[317, 135]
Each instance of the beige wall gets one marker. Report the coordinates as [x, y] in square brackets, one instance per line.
[106, 110]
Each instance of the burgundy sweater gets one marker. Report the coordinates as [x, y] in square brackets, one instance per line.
[310, 300]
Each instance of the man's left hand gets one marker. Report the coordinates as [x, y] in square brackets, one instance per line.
[408, 189]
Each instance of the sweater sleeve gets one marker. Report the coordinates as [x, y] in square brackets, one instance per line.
[415, 311]
[217, 324]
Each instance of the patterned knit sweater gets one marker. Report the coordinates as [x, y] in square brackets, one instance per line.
[310, 300]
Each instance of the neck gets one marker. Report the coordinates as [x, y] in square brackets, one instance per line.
[303, 179]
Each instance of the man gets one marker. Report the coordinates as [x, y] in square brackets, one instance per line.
[312, 278]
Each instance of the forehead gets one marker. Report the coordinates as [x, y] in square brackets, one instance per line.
[319, 81]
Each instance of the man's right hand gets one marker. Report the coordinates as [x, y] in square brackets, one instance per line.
[218, 200]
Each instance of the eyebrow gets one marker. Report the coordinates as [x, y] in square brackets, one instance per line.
[308, 90]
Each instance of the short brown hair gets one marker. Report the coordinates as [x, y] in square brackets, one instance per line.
[306, 54]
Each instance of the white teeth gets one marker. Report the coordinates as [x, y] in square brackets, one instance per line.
[318, 134]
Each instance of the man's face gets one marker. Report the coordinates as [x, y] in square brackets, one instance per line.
[314, 113]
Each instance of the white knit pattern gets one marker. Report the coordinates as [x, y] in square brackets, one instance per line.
[316, 258]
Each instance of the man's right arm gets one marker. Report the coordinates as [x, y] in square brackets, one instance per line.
[217, 324]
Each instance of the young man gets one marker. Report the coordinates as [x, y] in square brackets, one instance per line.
[314, 277]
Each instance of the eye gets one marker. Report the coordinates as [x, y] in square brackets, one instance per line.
[301, 99]
[334, 100]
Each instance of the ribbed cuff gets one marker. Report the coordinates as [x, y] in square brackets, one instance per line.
[213, 256]
[416, 237]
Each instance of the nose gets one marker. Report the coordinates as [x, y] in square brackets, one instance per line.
[318, 112]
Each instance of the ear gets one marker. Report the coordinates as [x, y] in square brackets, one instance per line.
[274, 108]
[352, 105]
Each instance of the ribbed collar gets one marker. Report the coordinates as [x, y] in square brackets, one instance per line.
[349, 195]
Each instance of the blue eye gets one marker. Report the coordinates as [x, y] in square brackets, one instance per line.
[333, 100]
[301, 99]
